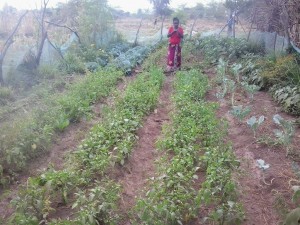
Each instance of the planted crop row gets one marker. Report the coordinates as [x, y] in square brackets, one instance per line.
[108, 143]
[196, 142]
[31, 138]
[25, 141]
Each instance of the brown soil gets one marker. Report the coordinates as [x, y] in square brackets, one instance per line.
[129, 26]
[265, 195]
[140, 165]
[63, 144]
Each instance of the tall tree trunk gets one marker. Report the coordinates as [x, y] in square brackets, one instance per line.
[44, 33]
[285, 23]
[6, 46]
[40, 49]
[252, 22]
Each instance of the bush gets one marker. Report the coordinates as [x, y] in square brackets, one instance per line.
[284, 70]
[72, 64]
[6, 95]
[215, 47]
[48, 71]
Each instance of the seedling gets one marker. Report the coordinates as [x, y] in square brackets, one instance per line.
[221, 70]
[240, 112]
[227, 86]
[251, 89]
[231, 87]
[236, 68]
[262, 164]
[255, 123]
[286, 134]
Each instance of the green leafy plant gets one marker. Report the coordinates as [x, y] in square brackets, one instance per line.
[33, 204]
[254, 123]
[240, 112]
[286, 134]
[227, 86]
[221, 70]
[172, 199]
[251, 89]
[97, 205]
[236, 69]
[29, 137]
[60, 181]
[231, 87]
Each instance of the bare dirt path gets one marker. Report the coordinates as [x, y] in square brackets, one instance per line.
[62, 145]
[265, 195]
[140, 166]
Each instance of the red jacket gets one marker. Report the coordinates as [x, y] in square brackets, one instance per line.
[175, 39]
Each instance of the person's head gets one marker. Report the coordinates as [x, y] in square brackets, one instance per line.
[175, 22]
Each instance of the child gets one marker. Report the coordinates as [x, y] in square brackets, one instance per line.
[175, 36]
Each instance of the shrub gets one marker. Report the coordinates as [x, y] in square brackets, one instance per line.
[6, 95]
[284, 70]
[48, 71]
[72, 64]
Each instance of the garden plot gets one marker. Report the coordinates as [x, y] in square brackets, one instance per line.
[226, 155]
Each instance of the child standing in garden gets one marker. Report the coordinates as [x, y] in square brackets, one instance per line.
[175, 36]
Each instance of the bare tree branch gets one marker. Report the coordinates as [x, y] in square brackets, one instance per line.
[9, 40]
[65, 26]
[58, 50]
[6, 46]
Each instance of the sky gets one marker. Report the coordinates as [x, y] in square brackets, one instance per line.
[126, 5]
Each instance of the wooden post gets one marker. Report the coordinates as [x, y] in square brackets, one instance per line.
[137, 33]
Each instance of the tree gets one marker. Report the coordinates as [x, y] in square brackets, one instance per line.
[197, 12]
[43, 32]
[161, 8]
[6, 46]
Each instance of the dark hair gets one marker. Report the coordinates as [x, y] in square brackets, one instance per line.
[175, 19]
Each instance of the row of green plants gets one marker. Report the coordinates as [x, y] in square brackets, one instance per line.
[278, 74]
[26, 138]
[193, 144]
[110, 142]
[232, 49]
[230, 79]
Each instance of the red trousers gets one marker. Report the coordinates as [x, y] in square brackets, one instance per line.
[174, 56]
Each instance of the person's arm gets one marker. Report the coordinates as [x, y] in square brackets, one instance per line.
[170, 33]
[180, 32]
